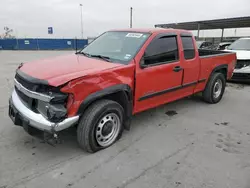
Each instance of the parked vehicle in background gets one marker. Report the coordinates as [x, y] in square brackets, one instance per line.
[203, 44]
[242, 49]
[223, 45]
[121, 73]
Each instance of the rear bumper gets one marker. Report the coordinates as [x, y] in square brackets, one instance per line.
[21, 115]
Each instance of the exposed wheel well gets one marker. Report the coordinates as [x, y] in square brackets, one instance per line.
[122, 97]
[223, 71]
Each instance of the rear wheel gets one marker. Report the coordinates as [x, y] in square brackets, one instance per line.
[100, 126]
[215, 88]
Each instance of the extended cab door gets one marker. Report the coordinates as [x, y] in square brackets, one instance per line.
[158, 78]
[191, 64]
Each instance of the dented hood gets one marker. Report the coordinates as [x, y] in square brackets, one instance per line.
[59, 70]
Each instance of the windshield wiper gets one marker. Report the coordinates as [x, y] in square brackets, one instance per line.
[105, 58]
[83, 53]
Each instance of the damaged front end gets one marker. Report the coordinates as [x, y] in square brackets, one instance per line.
[54, 109]
[242, 71]
[35, 105]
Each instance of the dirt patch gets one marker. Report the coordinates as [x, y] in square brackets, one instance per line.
[218, 146]
[219, 140]
[178, 183]
[228, 144]
[70, 184]
[171, 113]
[225, 123]
[231, 150]
[235, 85]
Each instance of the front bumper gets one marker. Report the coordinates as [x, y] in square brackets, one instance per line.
[26, 116]
[241, 77]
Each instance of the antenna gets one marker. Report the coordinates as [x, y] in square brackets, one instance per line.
[76, 44]
[131, 17]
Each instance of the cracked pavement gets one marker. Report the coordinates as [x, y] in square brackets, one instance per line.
[201, 145]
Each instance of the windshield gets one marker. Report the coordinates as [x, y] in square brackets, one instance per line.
[241, 44]
[116, 45]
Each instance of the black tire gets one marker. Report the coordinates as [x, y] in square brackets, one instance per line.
[87, 127]
[208, 93]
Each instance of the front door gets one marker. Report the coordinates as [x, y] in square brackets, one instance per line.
[159, 77]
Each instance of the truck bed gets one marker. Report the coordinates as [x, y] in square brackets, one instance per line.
[212, 58]
[207, 53]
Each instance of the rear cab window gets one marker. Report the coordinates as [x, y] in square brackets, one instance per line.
[188, 46]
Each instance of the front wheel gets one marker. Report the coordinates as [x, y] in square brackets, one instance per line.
[215, 88]
[100, 126]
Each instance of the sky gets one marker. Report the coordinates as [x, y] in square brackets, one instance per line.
[31, 18]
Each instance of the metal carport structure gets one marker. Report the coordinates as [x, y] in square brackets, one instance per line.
[228, 23]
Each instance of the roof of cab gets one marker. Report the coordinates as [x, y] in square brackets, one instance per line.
[153, 30]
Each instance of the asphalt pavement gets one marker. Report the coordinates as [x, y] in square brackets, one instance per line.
[187, 143]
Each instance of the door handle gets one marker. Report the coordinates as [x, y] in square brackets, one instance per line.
[177, 68]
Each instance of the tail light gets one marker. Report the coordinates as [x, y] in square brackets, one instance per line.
[234, 63]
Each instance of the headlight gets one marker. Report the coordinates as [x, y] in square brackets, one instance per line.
[55, 110]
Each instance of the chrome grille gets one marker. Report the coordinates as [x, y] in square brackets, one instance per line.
[27, 101]
[23, 97]
[242, 63]
[25, 83]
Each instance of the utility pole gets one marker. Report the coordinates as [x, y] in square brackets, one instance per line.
[81, 21]
[131, 17]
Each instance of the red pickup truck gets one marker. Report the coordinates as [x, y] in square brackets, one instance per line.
[119, 74]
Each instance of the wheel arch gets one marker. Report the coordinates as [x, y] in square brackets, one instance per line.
[222, 69]
[121, 93]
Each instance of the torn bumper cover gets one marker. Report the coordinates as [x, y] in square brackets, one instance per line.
[241, 74]
[23, 116]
